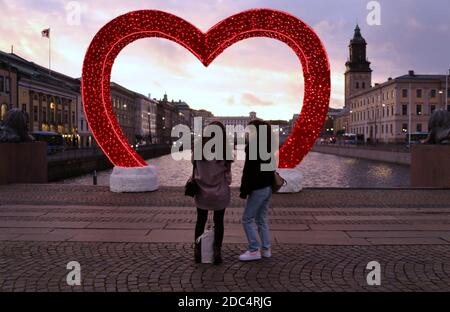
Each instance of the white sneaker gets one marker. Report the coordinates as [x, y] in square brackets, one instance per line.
[250, 256]
[266, 253]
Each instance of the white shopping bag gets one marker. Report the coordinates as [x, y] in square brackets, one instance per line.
[207, 245]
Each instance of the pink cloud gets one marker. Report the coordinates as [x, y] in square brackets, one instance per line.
[250, 99]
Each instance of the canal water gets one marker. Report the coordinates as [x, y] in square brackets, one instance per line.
[319, 170]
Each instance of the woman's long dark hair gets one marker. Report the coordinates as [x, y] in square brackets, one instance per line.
[227, 148]
[258, 123]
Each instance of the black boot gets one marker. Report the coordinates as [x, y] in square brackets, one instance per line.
[217, 255]
[197, 252]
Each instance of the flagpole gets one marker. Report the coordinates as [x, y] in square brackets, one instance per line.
[49, 52]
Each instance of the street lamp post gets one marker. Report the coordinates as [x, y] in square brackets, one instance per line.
[374, 130]
[409, 115]
[446, 89]
[383, 126]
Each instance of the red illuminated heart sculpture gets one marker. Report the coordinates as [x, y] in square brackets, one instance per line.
[121, 31]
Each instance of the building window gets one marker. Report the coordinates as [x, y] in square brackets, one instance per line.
[405, 93]
[35, 113]
[357, 85]
[419, 93]
[432, 109]
[419, 109]
[66, 116]
[7, 85]
[2, 84]
[433, 93]
[24, 107]
[419, 127]
[405, 128]
[404, 109]
[391, 128]
[73, 118]
[44, 114]
[363, 85]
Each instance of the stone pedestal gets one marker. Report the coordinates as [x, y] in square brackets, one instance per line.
[134, 179]
[294, 179]
[23, 162]
[430, 166]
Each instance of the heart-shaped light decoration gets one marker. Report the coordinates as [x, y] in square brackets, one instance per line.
[123, 30]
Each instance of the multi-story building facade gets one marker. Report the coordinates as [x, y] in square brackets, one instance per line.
[204, 114]
[232, 120]
[124, 107]
[293, 121]
[329, 126]
[389, 111]
[86, 138]
[341, 121]
[166, 119]
[50, 98]
[184, 113]
[146, 119]
[8, 87]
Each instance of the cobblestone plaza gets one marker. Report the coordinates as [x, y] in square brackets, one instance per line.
[323, 241]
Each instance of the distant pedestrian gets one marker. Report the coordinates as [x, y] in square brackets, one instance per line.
[213, 178]
[256, 187]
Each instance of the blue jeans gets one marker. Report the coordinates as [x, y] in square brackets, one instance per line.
[255, 211]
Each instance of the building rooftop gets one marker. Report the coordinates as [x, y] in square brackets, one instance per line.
[37, 72]
[410, 77]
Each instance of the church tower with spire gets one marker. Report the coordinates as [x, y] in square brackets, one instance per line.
[358, 74]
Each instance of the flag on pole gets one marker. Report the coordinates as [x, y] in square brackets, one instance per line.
[46, 33]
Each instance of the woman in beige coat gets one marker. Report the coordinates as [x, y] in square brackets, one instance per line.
[213, 178]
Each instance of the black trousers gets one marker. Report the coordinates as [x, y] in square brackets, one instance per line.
[202, 217]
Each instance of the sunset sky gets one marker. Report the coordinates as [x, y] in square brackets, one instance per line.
[263, 75]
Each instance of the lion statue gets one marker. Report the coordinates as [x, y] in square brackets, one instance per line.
[14, 127]
[439, 127]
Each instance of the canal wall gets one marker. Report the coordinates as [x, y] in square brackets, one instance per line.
[370, 153]
[67, 167]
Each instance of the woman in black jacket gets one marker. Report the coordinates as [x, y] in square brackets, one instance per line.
[256, 187]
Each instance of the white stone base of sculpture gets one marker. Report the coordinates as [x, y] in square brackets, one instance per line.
[134, 179]
[294, 179]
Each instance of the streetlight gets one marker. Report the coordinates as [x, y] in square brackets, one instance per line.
[351, 119]
[409, 115]
[446, 89]
[384, 130]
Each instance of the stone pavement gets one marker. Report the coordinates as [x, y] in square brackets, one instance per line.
[323, 240]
